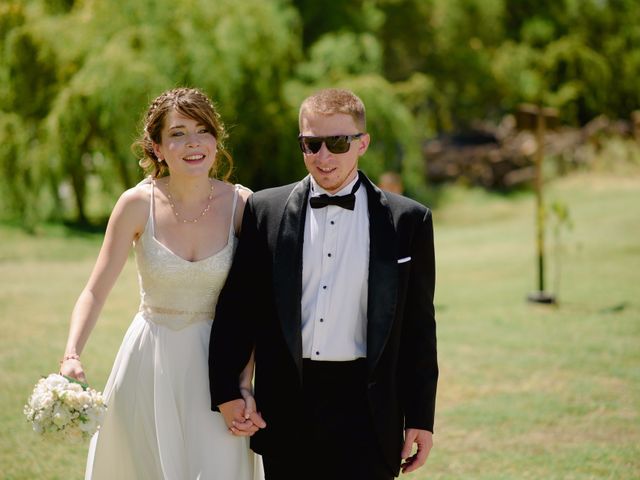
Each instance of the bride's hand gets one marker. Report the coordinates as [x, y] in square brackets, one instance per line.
[232, 413]
[72, 367]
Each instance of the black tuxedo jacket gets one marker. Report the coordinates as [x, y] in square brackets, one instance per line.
[259, 308]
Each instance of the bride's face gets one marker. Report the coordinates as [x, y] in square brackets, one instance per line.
[187, 145]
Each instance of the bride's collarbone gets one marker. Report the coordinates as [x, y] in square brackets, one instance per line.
[192, 241]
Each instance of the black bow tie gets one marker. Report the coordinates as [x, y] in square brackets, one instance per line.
[345, 201]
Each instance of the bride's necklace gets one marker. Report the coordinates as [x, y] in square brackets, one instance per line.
[202, 214]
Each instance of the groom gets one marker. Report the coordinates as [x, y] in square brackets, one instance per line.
[332, 287]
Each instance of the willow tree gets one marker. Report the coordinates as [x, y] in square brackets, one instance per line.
[92, 81]
[28, 70]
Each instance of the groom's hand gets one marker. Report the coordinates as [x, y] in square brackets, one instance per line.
[424, 440]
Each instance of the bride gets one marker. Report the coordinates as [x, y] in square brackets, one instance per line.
[182, 222]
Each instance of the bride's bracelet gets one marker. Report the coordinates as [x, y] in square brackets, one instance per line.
[70, 356]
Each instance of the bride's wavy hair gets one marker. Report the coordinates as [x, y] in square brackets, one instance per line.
[193, 104]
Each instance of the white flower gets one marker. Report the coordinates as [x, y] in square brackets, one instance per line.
[75, 387]
[63, 409]
[90, 425]
[42, 399]
[74, 399]
[54, 381]
[84, 399]
[38, 428]
[61, 415]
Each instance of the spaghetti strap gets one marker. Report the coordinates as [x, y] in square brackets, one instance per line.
[152, 209]
[232, 228]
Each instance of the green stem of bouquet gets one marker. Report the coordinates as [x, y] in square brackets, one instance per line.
[73, 380]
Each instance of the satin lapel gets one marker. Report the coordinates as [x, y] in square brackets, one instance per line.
[287, 269]
[383, 273]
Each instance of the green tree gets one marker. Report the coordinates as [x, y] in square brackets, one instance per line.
[320, 18]
[82, 84]
[18, 177]
[75, 78]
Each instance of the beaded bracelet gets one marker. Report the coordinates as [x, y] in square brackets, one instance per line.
[70, 356]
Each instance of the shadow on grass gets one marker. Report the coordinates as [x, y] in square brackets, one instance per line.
[59, 228]
[586, 308]
[76, 228]
[617, 308]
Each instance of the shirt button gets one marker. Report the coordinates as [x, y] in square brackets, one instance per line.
[332, 222]
[324, 287]
[322, 320]
[317, 353]
[328, 254]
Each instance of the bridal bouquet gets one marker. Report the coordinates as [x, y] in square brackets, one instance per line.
[63, 407]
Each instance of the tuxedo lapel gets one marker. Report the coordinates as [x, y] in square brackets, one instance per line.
[287, 271]
[382, 280]
[383, 273]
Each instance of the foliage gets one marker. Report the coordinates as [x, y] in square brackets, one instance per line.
[73, 85]
[19, 170]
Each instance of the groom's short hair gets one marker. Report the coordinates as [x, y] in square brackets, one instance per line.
[331, 101]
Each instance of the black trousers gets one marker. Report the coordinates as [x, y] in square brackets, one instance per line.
[337, 440]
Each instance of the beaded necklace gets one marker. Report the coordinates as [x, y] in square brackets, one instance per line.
[186, 220]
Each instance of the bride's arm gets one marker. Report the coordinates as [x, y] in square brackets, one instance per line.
[252, 418]
[125, 224]
[246, 377]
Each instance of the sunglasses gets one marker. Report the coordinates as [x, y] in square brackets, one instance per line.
[334, 143]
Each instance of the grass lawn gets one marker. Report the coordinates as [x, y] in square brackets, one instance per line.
[526, 391]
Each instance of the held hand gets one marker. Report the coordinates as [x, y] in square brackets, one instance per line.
[233, 413]
[424, 440]
[73, 368]
[250, 410]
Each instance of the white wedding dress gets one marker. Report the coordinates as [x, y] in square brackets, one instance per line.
[159, 424]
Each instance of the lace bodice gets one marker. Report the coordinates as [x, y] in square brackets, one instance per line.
[175, 292]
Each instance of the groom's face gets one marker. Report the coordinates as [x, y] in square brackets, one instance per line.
[332, 171]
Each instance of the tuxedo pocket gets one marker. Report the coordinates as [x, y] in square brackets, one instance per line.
[404, 260]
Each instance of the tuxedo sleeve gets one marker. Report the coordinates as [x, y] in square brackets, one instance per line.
[418, 356]
[232, 334]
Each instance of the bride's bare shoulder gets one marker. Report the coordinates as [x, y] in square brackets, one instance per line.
[138, 195]
[133, 203]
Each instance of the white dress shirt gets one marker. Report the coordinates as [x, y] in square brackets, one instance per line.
[335, 270]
